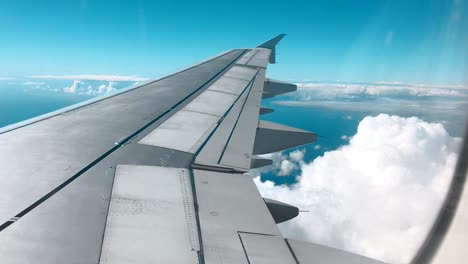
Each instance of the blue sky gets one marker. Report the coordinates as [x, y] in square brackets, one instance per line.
[418, 41]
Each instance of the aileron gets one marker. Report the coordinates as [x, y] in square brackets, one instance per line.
[147, 222]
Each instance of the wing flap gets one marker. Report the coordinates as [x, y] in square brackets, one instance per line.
[264, 249]
[306, 253]
[232, 142]
[229, 204]
[147, 222]
[212, 152]
[238, 151]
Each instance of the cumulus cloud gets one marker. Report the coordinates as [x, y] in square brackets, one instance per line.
[297, 155]
[276, 158]
[74, 87]
[376, 196]
[105, 89]
[114, 78]
[79, 87]
[286, 168]
[282, 164]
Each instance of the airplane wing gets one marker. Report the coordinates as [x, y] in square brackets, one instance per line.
[155, 174]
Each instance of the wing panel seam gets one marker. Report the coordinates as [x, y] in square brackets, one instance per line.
[243, 247]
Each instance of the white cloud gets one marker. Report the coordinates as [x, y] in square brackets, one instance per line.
[344, 137]
[34, 83]
[297, 155]
[101, 89]
[286, 168]
[276, 159]
[6, 79]
[317, 147]
[79, 87]
[74, 87]
[110, 87]
[115, 78]
[282, 164]
[376, 196]
[106, 88]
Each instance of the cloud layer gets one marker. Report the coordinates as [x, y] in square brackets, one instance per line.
[384, 88]
[114, 78]
[436, 103]
[376, 196]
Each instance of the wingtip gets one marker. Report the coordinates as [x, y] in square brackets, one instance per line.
[270, 44]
